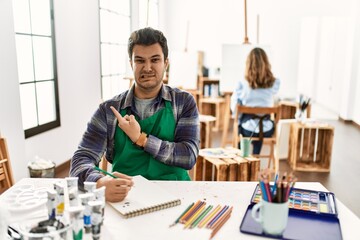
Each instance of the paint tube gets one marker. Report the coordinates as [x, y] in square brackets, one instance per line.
[100, 196]
[59, 188]
[72, 186]
[96, 218]
[85, 199]
[76, 214]
[51, 203]
[89, 186]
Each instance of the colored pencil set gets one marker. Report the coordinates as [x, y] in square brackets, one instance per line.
[281, 189]
[198, 215]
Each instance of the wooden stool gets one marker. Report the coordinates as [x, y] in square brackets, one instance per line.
[310, 147]
[214, 107]
[206, 122]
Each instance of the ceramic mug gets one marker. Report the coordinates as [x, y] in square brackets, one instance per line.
[273, 217]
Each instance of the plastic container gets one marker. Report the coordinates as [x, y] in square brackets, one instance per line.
[41, 168]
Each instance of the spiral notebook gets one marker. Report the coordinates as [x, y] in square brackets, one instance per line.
[145, 197]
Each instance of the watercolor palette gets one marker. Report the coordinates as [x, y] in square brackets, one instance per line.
[306, 200]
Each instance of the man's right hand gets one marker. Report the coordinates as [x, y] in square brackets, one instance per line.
[116, 188]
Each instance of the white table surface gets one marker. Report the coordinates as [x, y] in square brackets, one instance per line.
[155, 225]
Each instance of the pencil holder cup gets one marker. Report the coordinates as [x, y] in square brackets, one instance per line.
[300, 115]
[245, 147]
[272, 216]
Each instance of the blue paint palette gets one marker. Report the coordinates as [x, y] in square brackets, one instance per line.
[306, 200]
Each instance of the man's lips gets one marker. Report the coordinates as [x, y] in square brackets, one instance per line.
[147, 75]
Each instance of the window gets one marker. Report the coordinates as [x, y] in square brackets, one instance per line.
[114, 35]
[148, 13]
[36, 60]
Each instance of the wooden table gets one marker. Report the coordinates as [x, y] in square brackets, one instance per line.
[155, 225]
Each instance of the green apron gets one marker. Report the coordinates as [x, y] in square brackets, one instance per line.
[131, 160]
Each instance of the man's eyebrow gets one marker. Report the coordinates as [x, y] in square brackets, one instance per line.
[154, 56]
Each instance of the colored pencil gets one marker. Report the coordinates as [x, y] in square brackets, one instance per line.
[194, 217]
[105, 172]
[193, 211]
[217, 222]
[177, 220]
[207, 218]
[202, 215]
[217, 216]
[185, 216]
[219, 226]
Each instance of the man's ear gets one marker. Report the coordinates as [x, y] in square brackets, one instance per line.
[166, 63]
[131, 64]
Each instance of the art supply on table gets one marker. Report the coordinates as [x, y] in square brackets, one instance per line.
[89, 186]
[145, 197]
[85, 199]
[310, 213]
[177, 220]
[76, 214]
[197, 214]
[105, 172]
[100, 196]
[272, 211]
[60, 201]
[72, 187]
[51, 203]
[96, 218]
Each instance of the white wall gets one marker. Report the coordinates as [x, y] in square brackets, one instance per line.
[77, 46]
[10, 115]
[215, 22]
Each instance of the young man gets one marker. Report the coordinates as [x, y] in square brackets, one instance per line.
[150, 130]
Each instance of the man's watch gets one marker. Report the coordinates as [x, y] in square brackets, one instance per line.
[141, 140]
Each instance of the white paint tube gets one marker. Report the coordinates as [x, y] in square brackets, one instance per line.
[59, 188]
[76, 214]
[51, 203]
[85, 199]
[72, 185]
[96, 218]
[90, 186]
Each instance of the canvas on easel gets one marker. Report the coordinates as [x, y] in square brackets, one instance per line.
[183, 71]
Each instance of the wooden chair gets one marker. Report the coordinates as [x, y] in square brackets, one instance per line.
[272, 141]
[6, 177]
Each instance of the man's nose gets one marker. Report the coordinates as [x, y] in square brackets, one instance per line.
[147, 66]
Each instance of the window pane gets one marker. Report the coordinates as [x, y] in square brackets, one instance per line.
[121, 7]
[21, 16]
[118, 59]
[143, 13]
[24, 58]
[46, 101]
[113, 86]
[40, 17]
[124, 25]
[43, 58]
[28, 105]
[105, 26]
[105, 59]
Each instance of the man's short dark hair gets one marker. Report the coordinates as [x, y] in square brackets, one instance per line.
[147, 36]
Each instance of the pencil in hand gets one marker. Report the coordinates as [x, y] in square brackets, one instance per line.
[105, 172]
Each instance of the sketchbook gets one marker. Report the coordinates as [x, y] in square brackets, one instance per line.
[145, 197]
[312, 215]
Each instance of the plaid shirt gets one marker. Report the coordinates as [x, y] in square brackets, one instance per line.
[99, 135]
